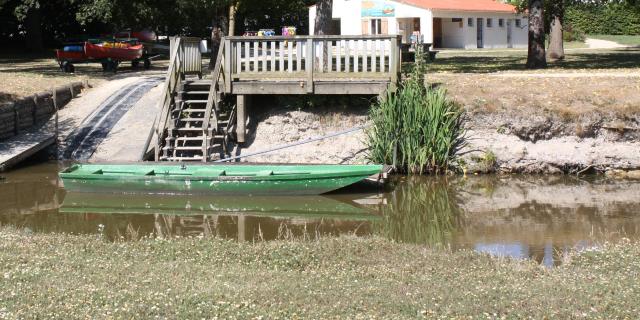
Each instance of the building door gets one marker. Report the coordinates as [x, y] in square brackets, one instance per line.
[509, 33]
[437, 32]
[479, 35]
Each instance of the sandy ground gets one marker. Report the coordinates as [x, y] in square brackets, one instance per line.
[82, 107]
[126, 140]
[126, 134]
[281, 126]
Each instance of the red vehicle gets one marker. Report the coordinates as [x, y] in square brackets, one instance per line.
[113, 50]
[110, 53]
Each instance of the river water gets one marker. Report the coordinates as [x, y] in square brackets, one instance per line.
[536, 217]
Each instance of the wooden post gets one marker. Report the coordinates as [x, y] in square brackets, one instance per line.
[241, 117]
[227, 65]
[309, 65]
[394, 57]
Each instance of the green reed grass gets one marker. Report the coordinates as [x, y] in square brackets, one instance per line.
[418, 127]
[419, 211]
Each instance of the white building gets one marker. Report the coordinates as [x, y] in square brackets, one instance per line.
[444, 23]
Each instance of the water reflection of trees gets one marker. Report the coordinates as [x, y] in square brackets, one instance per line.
[420, 210]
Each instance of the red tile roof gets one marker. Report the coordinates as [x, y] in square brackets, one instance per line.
[462, 5]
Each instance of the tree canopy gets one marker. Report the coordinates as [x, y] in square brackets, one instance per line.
[52, 21]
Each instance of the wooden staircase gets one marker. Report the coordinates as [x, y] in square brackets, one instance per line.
[192, 125]
[189, 136]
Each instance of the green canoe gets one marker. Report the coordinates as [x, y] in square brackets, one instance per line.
[214, 179]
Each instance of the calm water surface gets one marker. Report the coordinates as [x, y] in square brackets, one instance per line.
[538, 217]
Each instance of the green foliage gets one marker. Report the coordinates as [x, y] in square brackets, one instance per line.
[416, 128]
[63, 19]
[572, 34]
[613, 18]
[421, 211]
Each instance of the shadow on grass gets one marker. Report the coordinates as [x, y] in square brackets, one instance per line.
[487, 62]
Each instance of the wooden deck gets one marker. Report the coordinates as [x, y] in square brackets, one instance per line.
[310, 64]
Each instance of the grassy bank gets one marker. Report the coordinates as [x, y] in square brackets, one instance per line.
[576, 60]
[65, 276]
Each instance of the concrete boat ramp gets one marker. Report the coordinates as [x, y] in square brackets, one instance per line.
[110, 122]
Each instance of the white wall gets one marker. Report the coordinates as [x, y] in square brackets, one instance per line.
[453, 34]
[494, 37]
[349, 13]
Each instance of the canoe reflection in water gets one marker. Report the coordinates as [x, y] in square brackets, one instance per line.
[242, 218]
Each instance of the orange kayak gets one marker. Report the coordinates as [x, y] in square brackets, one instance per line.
[124, 53]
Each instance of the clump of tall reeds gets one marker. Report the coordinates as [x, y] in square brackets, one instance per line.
[416, 128]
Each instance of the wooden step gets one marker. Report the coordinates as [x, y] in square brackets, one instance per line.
[197, 138]
[188, 148]
[194, 92]
[195, 101]
[191, 119]
[198, 82]
[193, 138]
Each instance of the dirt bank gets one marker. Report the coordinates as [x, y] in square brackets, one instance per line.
[500, 140]
[284, 125]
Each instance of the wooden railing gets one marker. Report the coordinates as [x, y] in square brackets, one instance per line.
[312, 57]
[212, 106]
[174, 75]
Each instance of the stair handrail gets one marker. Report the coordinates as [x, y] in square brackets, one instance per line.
[168, 90]
[212, 102]
[213, 90]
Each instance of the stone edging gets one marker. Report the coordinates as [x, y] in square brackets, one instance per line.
[24, 113]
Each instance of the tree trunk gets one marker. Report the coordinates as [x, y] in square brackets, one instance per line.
[33, 26]
[536, 55]
[556, 45]
[324, 19]
[232, 19]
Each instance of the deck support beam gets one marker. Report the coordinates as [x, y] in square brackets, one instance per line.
[241, 117]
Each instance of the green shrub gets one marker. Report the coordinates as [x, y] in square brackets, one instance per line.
[416, 128]
[613, 18]
[572, 34]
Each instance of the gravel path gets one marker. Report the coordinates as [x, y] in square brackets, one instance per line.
[603, 44]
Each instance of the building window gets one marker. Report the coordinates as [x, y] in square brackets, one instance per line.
[469, 22]
[456, 19]
[376, 26]
[518, 23]
[500, 23]
[489, 22]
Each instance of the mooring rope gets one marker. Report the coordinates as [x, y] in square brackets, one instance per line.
[335, 134]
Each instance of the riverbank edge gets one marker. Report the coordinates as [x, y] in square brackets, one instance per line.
[29, 112]
[69, 276]
[496, 143]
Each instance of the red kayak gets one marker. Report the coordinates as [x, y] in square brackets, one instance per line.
[144, 35]
[114, 51]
